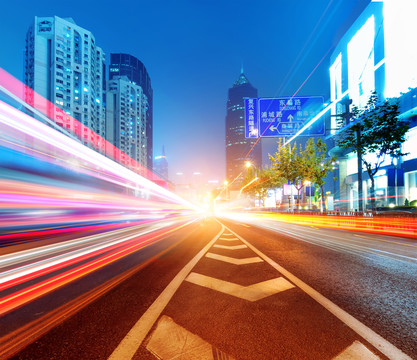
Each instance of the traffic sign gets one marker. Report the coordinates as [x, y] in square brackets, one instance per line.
[285, 116]
[251, 118]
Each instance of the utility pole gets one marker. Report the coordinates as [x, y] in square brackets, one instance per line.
[347, 115]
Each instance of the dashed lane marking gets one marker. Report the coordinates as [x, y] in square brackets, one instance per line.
[171, 341]
[251, 293]
[235, 261]
[134, 338]
[231, 247]
[356, 351]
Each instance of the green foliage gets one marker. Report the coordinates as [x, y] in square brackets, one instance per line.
[376, 129]
[310, 163]
[413, 203]
[406, 202]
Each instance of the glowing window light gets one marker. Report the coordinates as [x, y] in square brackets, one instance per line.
[400, 50]
[361, 73]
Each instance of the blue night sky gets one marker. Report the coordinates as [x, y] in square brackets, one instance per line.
[193, 51]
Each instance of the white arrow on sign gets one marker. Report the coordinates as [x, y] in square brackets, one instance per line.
[290, 117]
[273, 128]
[251, 293]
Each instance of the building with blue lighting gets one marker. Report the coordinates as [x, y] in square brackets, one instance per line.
[374, 55]
[238, 148]
[135, 71]
[65, 67]
[126, 114]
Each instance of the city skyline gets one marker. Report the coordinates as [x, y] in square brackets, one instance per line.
[192, 63]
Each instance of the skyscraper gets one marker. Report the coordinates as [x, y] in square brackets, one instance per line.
[126, 107]
[161, 165]
[129, 66]
[238, 148]
[64, 66]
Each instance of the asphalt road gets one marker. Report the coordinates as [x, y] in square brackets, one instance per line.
[227, 289]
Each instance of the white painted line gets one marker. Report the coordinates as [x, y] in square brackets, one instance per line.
[251, 293]
[229, 239]
[356, 351]
[235, 261]
[170, 341]
[368, 334]
[231, 247]
[129, 345]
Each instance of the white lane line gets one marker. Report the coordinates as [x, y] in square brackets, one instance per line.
[368, 334]
[235, 261]
[129, 345]
[230, 247]
[229, 239]
[171, 341]
[252, 292]
[356, 351]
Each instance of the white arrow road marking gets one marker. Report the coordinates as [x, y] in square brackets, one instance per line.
[235, 261]
[251, 293]
[170, 341]
[131, 342]
[356, 351]
[229, 239]
[230, 247]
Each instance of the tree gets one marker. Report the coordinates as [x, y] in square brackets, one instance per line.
[319, 165]
[257, 185]
[291, 164]
[377, 130]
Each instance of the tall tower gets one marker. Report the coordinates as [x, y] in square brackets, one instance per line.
[64, 66]
[238, 148]
[129, 66]
[126, 107]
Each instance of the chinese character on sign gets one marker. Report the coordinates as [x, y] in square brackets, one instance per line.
[271, 114]
[264, 114]
[297, 102]
[282, 103]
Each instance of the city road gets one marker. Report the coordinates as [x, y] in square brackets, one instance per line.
[229, 288]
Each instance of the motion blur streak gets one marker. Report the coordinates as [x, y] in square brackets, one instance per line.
[66, 210]
[71, 265]
[378, 225]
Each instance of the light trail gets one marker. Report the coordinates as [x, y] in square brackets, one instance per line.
[66, 210]
[384, 225]
[71, 260]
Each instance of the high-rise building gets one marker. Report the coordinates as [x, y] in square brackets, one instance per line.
[126, 108]
[64, 66]
[161, 165]
[129, 66]
[238, 148]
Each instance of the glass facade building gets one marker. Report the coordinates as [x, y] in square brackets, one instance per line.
[238, 148]
[375, 55]
[129, 66]
[64, 67]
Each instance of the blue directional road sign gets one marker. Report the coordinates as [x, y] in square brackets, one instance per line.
[284, 116]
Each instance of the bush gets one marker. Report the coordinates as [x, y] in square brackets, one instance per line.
[413, 203]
